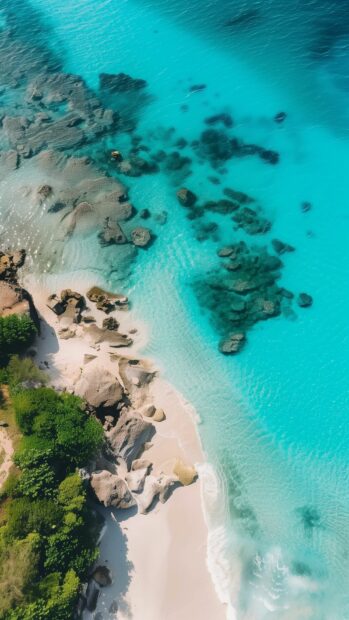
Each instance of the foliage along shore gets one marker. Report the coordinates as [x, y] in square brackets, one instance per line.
[48, 536]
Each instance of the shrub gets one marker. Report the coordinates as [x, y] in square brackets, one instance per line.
[38, 481]
[20, 370]
[17, 332]
[71, 494]
[58, 421]
[25, 516]
[18, 570]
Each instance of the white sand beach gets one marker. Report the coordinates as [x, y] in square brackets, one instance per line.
[157, 560]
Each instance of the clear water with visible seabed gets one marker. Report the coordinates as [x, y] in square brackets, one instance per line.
[275, 419]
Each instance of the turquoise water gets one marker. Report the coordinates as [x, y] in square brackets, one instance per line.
[274, 420]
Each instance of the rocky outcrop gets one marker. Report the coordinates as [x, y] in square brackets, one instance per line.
[129, 435]
[111, 490]
[10, 263]
[110, 323]
[135, 479]
[156, 488]
[112, 233]
[68, 306]
[14, 299]
[135, 373]
[98, 387]
[92, 594]
[141, 236]
[68, 115]
[107, 302]
[102, 576]
[97, 335]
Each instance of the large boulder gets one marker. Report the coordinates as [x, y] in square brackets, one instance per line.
[102, 576]
[133, 373]
[111, 490]
[13, 300]
[156, 488]
[92, 594]
[98, 387]
[129, 435]
[135, 479]
[16, 300]
[186, 474]
[10, 263]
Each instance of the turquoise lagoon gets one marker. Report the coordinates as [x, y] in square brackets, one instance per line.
[275, 419]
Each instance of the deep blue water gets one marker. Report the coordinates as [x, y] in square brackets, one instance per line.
[274, 418]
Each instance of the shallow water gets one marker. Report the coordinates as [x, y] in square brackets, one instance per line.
[274, 418]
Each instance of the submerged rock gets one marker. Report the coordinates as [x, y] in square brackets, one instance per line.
[233, 344]
[120, 82]
[306, 206]
[112, 233]
[186, 197]
[280, 117]
[237, 196]
[222, 206]
[280, 247]
[304, 300]
[223, 118]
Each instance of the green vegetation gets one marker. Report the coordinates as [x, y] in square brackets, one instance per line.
[47, 544]
[16, 333]
[20, 370]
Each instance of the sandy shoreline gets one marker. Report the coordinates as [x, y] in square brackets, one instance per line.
[159, 560]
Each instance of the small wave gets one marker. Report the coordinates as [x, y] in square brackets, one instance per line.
[214, 508]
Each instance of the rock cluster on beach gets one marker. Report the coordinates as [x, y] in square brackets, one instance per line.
[121, 477]
[72, 311]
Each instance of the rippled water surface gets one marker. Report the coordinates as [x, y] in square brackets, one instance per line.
[275, 418]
